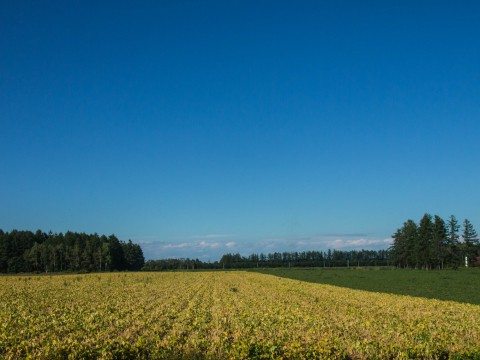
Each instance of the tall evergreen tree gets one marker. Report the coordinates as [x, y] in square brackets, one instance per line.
[411, 239]
[424, 248]
[395, 249]
[470, 241]
[405, 242]
[453, 243]
[439, 246]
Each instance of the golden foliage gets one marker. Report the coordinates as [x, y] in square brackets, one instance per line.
[223, 315]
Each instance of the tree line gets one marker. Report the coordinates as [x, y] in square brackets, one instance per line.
[25, 251]
[435, 243]
[330, 258]
[432, 243]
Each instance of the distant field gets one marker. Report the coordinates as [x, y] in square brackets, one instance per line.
[223, 315]
[455, 285]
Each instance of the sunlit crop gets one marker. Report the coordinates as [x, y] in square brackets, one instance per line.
[223, 315]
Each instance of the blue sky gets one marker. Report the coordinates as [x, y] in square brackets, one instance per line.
[197, 128]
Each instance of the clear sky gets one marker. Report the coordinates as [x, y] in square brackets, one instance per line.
[197, 128]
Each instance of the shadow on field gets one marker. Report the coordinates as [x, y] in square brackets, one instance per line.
[453, 285]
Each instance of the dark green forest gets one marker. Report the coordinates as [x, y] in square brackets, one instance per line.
[435, 243]
[25, 251]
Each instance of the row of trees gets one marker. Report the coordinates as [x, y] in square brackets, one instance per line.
[328, 258]
[435, 243]
[25, 251]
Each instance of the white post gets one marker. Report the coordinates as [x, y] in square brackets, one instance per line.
[466, 261]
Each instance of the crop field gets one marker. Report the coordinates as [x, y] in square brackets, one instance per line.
[223, 315]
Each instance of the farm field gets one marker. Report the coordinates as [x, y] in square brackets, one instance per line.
[454, 285]
[223, 315]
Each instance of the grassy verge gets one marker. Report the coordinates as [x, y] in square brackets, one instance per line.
[454, 285]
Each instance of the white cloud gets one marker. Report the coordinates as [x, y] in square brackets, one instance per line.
[176, 246]
[209, 245]
[211, 236]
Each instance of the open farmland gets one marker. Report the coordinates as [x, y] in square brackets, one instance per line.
[454, 285]
[223, 315]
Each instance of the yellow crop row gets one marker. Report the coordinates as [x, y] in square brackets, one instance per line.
[223, 315]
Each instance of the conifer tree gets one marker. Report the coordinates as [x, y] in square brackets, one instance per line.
[470, 240]
[453, 243]
[424, 248]
[439, 245]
